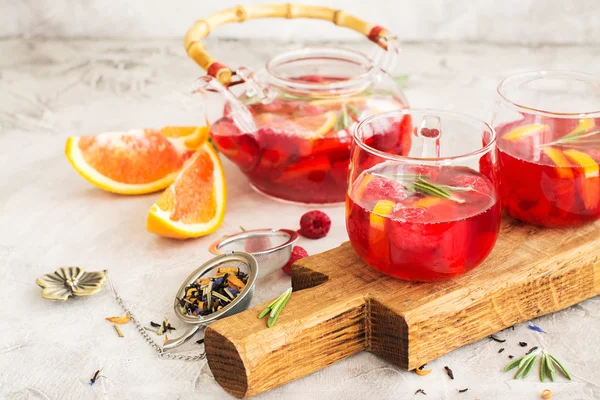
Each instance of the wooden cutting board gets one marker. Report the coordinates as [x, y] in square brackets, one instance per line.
[340, 306]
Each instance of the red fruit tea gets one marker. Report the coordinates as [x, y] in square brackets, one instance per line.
[414, 235]
[301, 149]
[549, 174]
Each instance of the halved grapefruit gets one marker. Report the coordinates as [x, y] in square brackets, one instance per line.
[134, 162]
[194, 205]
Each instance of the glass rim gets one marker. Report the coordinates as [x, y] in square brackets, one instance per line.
[540, 74]
[423, 160]
[332, 53]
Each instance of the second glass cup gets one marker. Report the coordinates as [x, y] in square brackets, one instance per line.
[434, 213]
[548, 125]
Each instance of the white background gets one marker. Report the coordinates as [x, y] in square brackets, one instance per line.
[506, 21]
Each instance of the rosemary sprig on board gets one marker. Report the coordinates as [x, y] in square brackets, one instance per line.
[579, 139]
[548, 365]
[274, 309]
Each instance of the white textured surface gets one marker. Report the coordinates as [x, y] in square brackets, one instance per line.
[508, 21]
[49, 216]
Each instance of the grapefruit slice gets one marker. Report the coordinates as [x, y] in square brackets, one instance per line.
[524, 131]
[314, 125]
[134, 162]
[194, 204]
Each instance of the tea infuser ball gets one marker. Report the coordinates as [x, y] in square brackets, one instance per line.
[245, 263]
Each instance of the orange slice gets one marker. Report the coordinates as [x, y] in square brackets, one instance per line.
[194, 205]
[524, 131]
[426, 202]
[590, 168]
[564, 166]
[590, 185]
[582, 126]
[319, 124]
[335, 102]
[189, 136]
[381, 209]
[133, 162]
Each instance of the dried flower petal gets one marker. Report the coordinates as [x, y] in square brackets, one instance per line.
[119, 320]
[536, 328]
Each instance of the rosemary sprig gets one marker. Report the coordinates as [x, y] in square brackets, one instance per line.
[422, 185]
[579, 139]
[343, 120]
[274, 309]
[548, 365]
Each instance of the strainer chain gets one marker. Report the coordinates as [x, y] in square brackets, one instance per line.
[144, 333]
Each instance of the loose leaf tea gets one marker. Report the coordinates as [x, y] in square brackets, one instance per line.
[119, 333]
[96, 376]
[495, 339]
[210, 294]
[449, 372]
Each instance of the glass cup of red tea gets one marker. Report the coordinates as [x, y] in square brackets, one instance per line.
[429, 215]
[548, 126]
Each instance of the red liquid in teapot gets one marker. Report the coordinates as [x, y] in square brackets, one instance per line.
[301, 149]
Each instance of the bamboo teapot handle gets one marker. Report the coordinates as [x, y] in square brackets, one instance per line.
[224, 74]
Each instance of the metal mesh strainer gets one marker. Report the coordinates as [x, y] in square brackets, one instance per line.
[272, 248]
[246, 263]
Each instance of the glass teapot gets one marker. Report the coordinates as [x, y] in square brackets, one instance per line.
[289, 127]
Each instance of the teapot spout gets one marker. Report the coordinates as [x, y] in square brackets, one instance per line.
[237, 110]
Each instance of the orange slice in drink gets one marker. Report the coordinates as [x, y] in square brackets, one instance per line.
[524, 131]
[336, 102]
[382, 208]
[426, 202]
[319, 124]
[134, 162]
[194, 205]
[564, 167]
[583, 125]
[590, 168]
[590, 186]
[378, 240]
